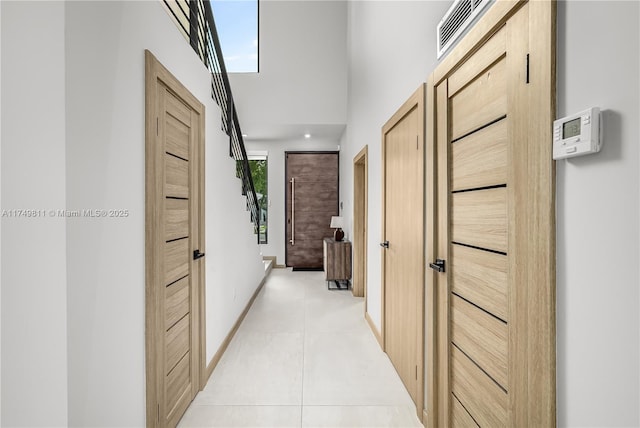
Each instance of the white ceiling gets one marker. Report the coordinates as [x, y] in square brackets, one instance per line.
[302, 84]
[291, 132]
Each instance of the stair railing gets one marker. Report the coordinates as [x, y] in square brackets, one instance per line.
[203, 38]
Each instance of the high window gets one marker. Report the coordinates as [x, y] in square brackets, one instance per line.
[237, 25]
[258, 167]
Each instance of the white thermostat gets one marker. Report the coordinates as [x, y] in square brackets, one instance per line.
[577, 135]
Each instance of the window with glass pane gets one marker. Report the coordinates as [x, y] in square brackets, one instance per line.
[237, 25]
[258, 167]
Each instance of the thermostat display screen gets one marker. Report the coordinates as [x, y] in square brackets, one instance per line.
[571, 128]
[577, 134]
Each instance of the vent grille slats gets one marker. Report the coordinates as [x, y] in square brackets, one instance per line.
[459, 16]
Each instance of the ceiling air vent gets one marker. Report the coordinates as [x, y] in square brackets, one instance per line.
[459, 16]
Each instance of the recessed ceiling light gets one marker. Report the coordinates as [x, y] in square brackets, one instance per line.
[307, 136]
[244, 135]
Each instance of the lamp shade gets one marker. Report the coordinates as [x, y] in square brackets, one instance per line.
[337, 222]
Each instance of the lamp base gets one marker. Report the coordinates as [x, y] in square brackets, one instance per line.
[338, 235]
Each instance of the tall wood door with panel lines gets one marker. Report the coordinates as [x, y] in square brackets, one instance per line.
[495, 348]
[403, 242]
[175, 270]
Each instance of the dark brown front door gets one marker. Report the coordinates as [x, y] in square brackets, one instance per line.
[311, 200]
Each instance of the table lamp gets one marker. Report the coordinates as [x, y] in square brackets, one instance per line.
[336, 223]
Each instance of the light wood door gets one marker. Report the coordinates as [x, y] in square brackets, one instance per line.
[175, 214]
[493, 348]
[311, 201]
[403, 242]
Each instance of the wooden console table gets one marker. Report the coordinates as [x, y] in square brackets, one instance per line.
[337, 262]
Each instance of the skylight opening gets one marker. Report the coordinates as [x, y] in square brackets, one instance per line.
[237, 25]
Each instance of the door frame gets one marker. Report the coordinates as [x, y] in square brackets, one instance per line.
[536, 400]
[286, 185]
[156, 73]
[360, 219]
[416, 100]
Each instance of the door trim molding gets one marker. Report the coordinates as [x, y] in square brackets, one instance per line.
[415, 101]
[156, 73]
[361, 160]
[430, 298]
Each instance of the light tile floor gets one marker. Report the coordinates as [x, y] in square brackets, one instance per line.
[303, 357]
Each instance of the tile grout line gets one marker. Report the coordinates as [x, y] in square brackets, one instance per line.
[304, 328]
[316, 411]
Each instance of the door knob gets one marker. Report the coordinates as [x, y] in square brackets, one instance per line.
[438, 265]
[384, 244]
[197, 254]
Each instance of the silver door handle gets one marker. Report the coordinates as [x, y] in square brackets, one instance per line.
[293, 211]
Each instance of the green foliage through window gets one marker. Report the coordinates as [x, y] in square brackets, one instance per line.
[258, 169]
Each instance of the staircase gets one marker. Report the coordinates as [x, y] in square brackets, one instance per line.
[203, 37]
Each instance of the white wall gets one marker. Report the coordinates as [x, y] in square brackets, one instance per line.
[276, 185]
[105, 44]
[597, 196]
[392, 49]
[303, 66]
[0, 221]
[234, 262]
[301, 87]
[597, 219]
[34, 319]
